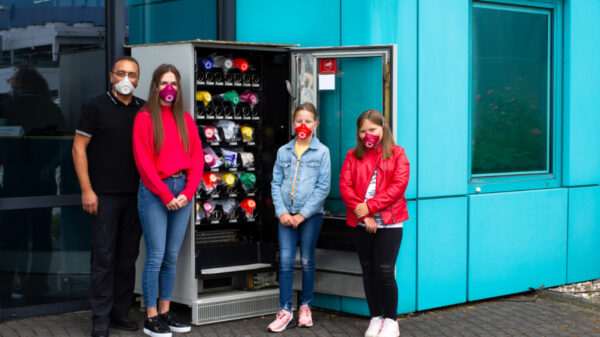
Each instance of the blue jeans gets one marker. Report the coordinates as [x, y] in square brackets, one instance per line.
[308, 233]
[163, 231]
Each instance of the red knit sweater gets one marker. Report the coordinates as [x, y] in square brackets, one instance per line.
[172, 157]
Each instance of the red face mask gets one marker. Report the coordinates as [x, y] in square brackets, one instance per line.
[210, 133]
[210, 179]
[248, 205]
[370, 140]
[303, 131]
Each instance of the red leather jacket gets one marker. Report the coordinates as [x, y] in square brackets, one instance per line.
[392, 178]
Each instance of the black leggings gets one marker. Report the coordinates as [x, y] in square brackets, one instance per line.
[377, 254]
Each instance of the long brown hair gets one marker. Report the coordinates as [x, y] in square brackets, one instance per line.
[387, 141]
[153, 106]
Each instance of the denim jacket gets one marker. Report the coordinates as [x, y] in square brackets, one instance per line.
[312, 181]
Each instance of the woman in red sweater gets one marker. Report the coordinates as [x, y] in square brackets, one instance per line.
[372, 184]
[168, 155]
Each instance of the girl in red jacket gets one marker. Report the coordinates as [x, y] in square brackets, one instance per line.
[372, 184]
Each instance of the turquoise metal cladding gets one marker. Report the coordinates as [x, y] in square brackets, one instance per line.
[581, 98]
[406, 265]
[331, 302]
[357, 306]
[164, 21]
[584, 234]
[517, 240]
[310, 23]
[443, 77]
[391, 22]
[442, 252]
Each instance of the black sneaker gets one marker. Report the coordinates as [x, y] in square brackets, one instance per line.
[155, 327]
[123, 323]
[175, 323]
[99, 330]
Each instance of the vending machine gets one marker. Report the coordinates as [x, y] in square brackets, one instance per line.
[242, 96]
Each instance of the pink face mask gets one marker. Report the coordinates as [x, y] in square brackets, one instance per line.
[250, 98]
[168, 93]
[370, 140]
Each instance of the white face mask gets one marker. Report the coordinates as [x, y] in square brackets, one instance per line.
[124, 87]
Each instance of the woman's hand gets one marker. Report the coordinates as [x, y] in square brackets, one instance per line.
[297, 220]
[182, 200]
[286, 219]
[173, 205]
[361, 210]
[371, 225]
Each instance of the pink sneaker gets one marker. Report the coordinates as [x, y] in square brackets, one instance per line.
[374, 327]
[305, 317]
[281, 322]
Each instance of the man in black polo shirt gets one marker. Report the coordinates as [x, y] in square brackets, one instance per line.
[108, 178]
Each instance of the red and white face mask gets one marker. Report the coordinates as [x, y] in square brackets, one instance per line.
[303, 131]
[370, 140]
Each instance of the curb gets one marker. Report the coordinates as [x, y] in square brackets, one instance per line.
[570, 299]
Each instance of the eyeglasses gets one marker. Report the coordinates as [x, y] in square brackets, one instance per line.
[121, 74]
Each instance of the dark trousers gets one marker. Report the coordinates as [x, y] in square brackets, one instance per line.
[377, 254]
[116, 233]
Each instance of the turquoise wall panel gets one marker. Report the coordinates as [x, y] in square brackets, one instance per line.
[517, 240]
[357, 306]
[307, 22]
[391, 22]
[160, 21]
[581, 100]
[584, 234]
[325, 301]
[443, 97]
[406, 265]
[442, 252]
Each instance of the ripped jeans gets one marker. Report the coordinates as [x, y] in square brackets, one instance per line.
[307, 233]
[377, 254]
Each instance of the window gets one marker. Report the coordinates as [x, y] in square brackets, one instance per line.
[52, 61]
[513, 93]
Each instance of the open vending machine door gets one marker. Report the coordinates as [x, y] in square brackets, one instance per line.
[342, 82]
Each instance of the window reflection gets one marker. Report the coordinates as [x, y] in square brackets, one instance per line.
[44, 255]
[52, 61]
[510, 117]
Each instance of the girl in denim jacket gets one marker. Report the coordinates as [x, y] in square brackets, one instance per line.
[301, 180]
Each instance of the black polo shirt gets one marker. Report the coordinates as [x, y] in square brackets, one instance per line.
[109, 123]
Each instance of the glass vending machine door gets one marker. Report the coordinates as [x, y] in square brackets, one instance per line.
[342, 82]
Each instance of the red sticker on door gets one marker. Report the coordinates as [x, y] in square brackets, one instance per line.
[327, 66]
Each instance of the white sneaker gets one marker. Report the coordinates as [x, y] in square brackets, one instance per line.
[390, 328]
[374, 327]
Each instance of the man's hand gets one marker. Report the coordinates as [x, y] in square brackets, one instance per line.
[297, 220]
[286, 219]
[371, 225]
[89, 202]
[173, 205]
[182, 200]
[361, 210]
